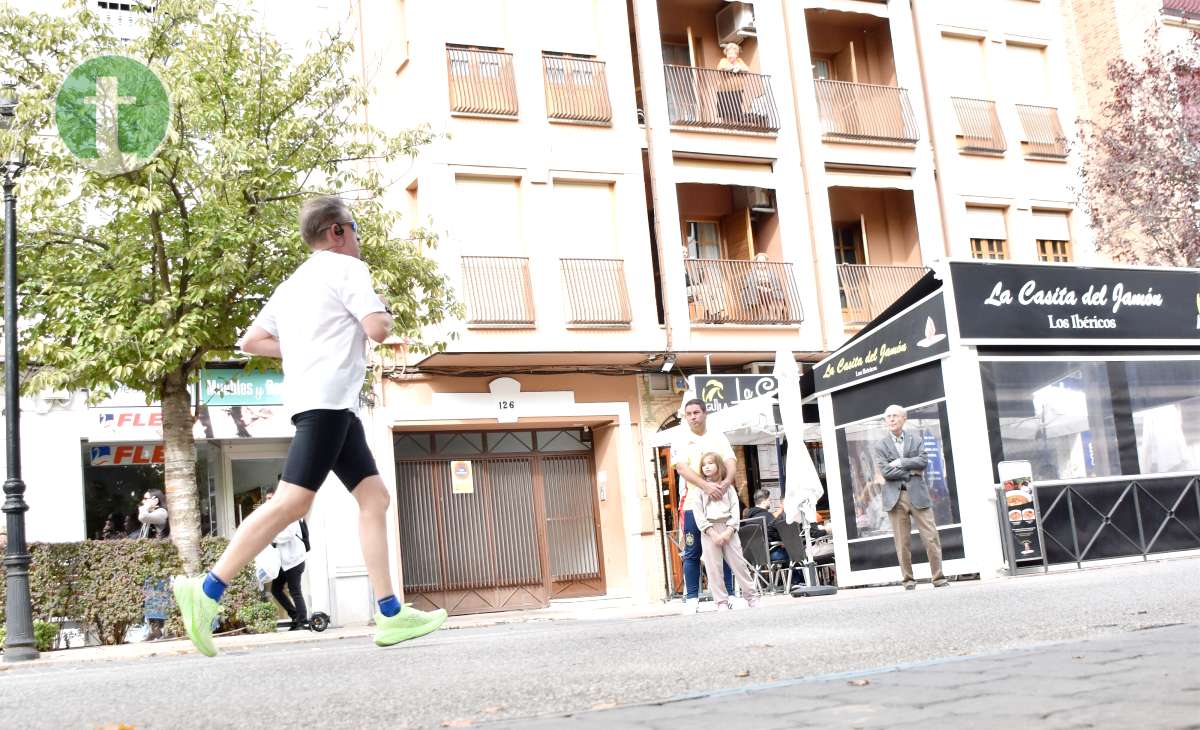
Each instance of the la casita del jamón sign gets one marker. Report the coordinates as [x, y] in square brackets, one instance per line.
[1016, 302]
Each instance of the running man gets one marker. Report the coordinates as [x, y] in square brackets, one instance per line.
[317, 322]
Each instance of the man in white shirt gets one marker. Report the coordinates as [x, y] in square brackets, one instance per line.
[686, 453]
[318, 322]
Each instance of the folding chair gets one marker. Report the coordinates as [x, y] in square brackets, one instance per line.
[793, 542]
[755, 553]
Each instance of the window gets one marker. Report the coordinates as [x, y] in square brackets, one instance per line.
[1165, 400]
[821, 68]
[1025, 67]
[490, 221]
[989, 248]
[117, 475]
[1053, 234]
[703, 240]
[965, 68]
[847, 243]
[988, 231]
[1054, 252]
[866, 483]
[1058, 415]
[486, 60]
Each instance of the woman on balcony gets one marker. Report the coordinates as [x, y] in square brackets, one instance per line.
[763, 294]
[730, 93]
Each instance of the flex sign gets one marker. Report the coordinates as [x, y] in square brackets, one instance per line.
[127, 454]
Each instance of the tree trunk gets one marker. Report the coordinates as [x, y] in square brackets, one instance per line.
[183, 508]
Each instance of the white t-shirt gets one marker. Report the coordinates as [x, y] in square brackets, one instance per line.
[689, 449]
[317, 315]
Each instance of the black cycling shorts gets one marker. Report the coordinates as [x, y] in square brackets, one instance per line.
[328, 441]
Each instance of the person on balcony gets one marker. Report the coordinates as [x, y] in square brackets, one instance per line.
[731, 85]
[763, 293]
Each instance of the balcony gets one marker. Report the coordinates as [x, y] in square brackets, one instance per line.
[1043, 138]
[576, 90]
[868, 290]
[870, 113]
[979, 126]
[481, 82]
[595, 292]
[724, 291]
[497, 291]
[703, 98]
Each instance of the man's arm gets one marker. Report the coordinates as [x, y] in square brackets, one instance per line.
[378, 326]
[692, 477]
[888, 468]
[258, 341]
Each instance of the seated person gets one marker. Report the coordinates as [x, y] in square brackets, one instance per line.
[761, 511]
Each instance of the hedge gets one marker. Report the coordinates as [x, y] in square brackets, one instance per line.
[98, 584]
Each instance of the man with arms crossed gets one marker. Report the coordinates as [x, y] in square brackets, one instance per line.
[317, 322]
[900, 458]
[685, 455]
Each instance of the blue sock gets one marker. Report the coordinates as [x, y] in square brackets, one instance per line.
[214, 587]
[389, 606]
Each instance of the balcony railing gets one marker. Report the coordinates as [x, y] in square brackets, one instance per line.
[497, 290]
[576, 89]
[481, 82]
[865, 113]
[724, 291]
[978, 125]
[595, 291]
[708, 98]
[1043, 133]
[868, 290]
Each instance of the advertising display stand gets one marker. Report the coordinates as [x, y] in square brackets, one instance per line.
[1017, 502]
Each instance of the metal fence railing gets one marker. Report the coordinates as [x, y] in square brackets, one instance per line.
[979, 125]
[1043, 132]
[481, 82]
[576, 89]
[1133, 517]
[708, 98]
[865, 112]
[867, 290]
[497, 290]
[725, 291]
[595, 291]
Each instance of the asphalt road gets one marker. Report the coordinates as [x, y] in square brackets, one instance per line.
[457, 677]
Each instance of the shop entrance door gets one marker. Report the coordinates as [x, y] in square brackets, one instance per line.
[248, 469]
[520, 530]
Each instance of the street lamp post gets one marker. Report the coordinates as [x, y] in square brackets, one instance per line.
[19, 642]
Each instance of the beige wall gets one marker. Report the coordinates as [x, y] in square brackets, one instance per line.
[859, 47]
[1025, 60]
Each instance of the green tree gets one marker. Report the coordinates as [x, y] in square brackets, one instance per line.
[138, 279]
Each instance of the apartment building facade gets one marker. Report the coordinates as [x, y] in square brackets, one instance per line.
[617, 212]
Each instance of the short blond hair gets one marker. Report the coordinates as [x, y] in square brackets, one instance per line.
[317, 214]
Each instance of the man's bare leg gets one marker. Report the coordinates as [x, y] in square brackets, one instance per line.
[373, 501]
[290, 503]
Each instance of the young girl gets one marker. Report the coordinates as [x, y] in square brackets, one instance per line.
[717, 520]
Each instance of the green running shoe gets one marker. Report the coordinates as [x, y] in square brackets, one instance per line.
[408, 624]
[198, 611]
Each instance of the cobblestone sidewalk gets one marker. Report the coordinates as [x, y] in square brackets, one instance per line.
[1142, 679]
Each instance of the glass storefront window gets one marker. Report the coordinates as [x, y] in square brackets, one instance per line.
[1165, 399]
[113, 490]
[866, 483]
[1058, 415]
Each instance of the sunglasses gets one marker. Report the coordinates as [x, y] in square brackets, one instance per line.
[352, 224]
